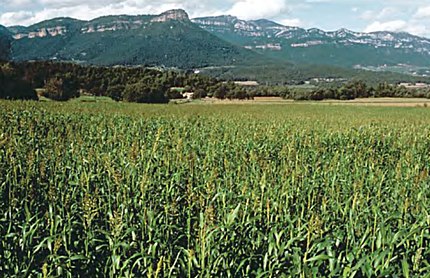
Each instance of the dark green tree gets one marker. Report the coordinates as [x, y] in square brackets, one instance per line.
[115, 92]
[61, 89]
[142, 93]
[353, 89]
[384, 90]
[12, 85]
[284, 92]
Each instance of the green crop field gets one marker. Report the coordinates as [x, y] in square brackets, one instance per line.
[194, 190]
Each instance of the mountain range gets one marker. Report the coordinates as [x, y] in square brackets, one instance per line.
[172, 39]
[169, 39]
[340, 48]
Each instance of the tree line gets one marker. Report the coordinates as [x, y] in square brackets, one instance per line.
[274, 74]
[355, 89]
[347, 90]
[64, 81]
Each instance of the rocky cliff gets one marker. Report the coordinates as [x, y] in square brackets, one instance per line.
[63, 26]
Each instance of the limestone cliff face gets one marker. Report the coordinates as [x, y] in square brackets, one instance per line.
[119, 24]
[42, 32]
[102, 24]
[176, 15]
[254, 28]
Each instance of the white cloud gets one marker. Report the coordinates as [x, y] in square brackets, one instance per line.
[74, 3]
[13, 18]
[291, 22]
[368, 15]
[412, 20]
[384, 14]
[389, 12]
[254, 9]
[395, 26]
[79, 12]
[15, 3]
[413, 27]
[25, 12]
[423, 12]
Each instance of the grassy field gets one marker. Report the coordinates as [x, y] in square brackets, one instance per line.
[196, 190]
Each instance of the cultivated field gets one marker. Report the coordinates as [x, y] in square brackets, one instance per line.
[291, 190]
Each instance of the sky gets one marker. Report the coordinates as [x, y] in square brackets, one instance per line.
[411, 16]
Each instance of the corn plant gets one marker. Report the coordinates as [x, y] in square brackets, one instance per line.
[125, 190]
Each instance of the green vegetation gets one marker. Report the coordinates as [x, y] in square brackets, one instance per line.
[275, 73]
[344, 90]
[61, 89]
[341, 48]
[348, 56]
[127, 190]
[351, 90]
[170, 44]
[5, 42]
[136, 41]
[13, 85]
[143, 93]
[63, 81]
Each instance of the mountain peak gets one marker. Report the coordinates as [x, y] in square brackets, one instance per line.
[345, 31]
[172, 15]
[227, 18]
[266, 23]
